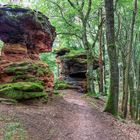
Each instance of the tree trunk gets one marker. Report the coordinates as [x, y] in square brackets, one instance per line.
[101, 89]
[132, 96]
[104, 68]
[128, 61]
[88, 48]
[112, 103]
[90, 76]
[138, 92]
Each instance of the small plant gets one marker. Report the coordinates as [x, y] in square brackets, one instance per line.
[13, 131]
[96, 95]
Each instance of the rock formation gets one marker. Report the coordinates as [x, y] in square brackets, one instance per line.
[73, 67]
[25, 34]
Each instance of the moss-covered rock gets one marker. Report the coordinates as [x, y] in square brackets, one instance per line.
[75, 54]
[22, 90]
[24, 67]
[73, 67]
[26, 71]
[22, 74]
[33, 25]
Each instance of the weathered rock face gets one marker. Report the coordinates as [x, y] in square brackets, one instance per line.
[74, 68]
[25, 34]
[26, 71]
[25, 29]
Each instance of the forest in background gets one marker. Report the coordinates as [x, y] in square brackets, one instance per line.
[109, 31]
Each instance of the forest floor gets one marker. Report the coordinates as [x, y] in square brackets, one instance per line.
[72, 116]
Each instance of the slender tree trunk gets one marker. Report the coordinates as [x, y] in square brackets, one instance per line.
[132, 95]
[104, 68]
[112, 103]
[128, 61]
[138, 92]
[90, 76]
[123, 71]
[101, 89]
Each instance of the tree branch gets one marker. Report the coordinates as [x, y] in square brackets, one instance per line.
[96, 37]
[89, 9]
[72, 4]
[71, 34]
[62, 15]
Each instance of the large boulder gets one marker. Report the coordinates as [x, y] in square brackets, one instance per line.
[73, 67]
[25, 30]
[25, 33]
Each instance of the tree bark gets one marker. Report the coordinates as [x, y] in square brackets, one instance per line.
[128, 61]
[104, 68]
[112, 103]
[101, 89]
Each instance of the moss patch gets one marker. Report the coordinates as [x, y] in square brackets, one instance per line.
[21, 68]
[22, 90]
[74, 54]
[60, 84]
[28, 71]
[61, 51]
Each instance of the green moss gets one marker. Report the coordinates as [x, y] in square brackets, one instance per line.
[23, 86]
[73, 54]
[13, 6]
[64, 49]
[60, 84]
[55, 92]
[110, 105]
[25, 67]
[22, 90]
[17, 69]
[28, 71]
[19, 95]
[83, 61]
[27, 78]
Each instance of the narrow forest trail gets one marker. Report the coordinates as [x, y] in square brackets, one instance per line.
[69, 118]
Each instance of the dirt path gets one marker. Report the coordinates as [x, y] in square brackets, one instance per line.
[69, 118]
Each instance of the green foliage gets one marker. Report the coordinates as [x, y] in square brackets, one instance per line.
[50, 59]
[96, 95]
